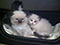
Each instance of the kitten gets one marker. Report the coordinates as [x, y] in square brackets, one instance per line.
[20, 25]
[17, 5]
[40, 25]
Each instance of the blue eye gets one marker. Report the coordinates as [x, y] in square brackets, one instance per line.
[16, 18]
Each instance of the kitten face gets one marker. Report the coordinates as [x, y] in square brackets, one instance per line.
[18, 17]
[34, 19]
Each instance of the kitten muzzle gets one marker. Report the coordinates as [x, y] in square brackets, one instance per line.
[32, 23]
[20, 21]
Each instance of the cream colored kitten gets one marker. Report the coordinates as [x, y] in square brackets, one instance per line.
[40, 25]
[20, 25]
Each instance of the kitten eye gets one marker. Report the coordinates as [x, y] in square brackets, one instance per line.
[31, 20]
[34, 21]
[22, 18]
[16, 18]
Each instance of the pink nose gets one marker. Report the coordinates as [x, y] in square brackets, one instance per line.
[32, 23]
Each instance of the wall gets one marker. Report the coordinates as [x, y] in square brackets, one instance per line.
[6, 3]
[41, 4]
[34, 4]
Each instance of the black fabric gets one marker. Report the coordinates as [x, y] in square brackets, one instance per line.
[41, 36]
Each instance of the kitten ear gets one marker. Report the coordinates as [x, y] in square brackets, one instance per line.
[39, 18]
[27, 13]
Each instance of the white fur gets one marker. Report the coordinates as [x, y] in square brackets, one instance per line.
[20, 29]
[43, 27]
[19, 13]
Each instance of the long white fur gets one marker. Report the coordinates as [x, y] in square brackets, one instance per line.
[20, 29]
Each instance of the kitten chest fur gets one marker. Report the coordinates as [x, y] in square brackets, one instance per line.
[23, 30]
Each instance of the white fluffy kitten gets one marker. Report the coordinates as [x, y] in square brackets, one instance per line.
[40, 25]
[19, 24]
